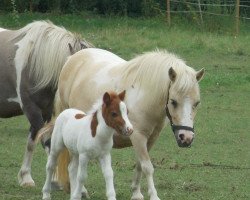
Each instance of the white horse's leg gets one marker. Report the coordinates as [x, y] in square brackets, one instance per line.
[24, 175]
[107, 172]
[50, 168]
[136, 188]
[81, 177]
[140, 145]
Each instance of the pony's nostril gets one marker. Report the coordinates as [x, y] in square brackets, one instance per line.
[181, 136]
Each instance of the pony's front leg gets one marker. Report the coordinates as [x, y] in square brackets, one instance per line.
[81, 177]
[24, 175]
[107, 171]
[136, 188]
[34, 115]
[139, 142]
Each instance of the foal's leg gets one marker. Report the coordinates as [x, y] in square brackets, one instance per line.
[139, 142]
[73, 167]
[81, 177]
[50, 168]
[107, 171]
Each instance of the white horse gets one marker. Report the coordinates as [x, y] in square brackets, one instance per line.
[87, 137]
[157, 84]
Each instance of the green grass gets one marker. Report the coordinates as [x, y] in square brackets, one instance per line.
[218, 164]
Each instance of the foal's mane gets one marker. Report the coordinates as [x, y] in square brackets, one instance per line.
[150, 71]
[46, 49]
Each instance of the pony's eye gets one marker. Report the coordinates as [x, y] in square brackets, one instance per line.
[196, 104]
[114, 114]
[174, 103]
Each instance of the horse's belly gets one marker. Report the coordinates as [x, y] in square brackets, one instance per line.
[9, 109]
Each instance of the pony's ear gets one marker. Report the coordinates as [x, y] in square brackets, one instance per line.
[106, 99]
[122, 95]
[172, 74]
[71, 49]
[200, 74]
[83, 45]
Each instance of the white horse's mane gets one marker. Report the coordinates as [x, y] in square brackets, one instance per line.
[96, 106]
[46, 48]
[145, 69]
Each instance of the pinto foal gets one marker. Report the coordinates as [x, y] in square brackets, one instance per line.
[88, 137]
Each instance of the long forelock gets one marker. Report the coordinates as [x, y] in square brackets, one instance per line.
[48, 49]
[185, 80]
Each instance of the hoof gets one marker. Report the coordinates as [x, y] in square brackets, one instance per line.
[55, 186]
[46, 196]
[25, 179]
[28, 184]
[137, 197]
[85, 195]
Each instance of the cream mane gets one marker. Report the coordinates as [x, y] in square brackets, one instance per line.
[150, 68]
[46, 49]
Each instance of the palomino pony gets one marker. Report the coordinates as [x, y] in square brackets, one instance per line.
[156, 83]
[87, 137]
[31, 60]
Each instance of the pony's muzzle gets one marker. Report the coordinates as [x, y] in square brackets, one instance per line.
[184, 138]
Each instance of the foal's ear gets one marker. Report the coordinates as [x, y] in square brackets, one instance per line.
[106, 98]
[172, 74]
[122, 95]
[71, 49]
[200, 74]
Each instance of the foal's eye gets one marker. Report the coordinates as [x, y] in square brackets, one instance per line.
[114, 114]
[174, 103]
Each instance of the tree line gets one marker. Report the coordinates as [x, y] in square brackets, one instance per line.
[120, 7]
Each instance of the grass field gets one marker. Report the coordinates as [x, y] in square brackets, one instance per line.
[217, 167]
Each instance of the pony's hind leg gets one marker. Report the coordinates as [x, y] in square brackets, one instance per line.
[107, 171]
[81, 177]
[72, 168]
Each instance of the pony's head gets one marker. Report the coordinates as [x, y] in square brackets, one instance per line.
[115, 113]
[182, 103]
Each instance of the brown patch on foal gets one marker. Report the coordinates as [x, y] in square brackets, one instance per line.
[79, 116]
[94, 124]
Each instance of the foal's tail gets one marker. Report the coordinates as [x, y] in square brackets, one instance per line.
[45, 133]
[61, 173]
[62, 170]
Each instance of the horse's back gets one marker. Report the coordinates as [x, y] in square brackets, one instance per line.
[92, 66]
[9, 105]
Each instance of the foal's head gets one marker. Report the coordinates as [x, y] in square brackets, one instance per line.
[183, 101]
[115, 113]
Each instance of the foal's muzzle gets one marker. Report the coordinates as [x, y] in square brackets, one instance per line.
[127, 131]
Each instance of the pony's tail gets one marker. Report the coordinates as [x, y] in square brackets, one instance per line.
[62, 170]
